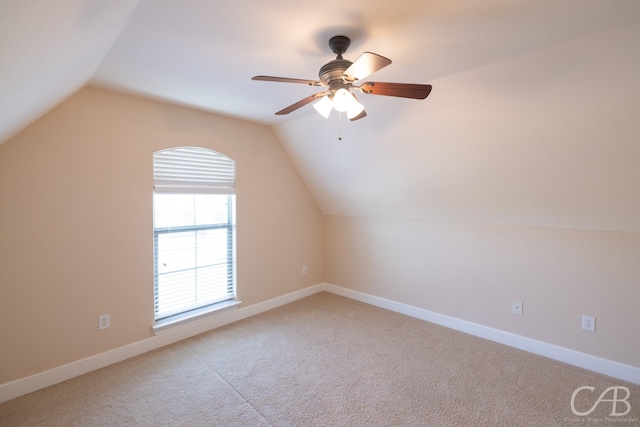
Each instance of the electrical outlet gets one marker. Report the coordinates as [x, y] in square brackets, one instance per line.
[304, 270]
[588, 323]
[516, 307]
[104, 321]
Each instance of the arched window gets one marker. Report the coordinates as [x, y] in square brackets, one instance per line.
[193, 229]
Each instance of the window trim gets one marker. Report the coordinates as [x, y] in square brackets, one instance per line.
[196, 315]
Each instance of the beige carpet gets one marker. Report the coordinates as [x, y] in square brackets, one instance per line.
[327, 361]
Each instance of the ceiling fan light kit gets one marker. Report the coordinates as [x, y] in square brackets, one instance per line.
[340, 77]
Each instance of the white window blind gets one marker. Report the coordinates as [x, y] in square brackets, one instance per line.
[193, 170]
[194, 229]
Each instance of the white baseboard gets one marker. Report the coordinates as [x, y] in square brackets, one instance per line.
[53, 376]
[59, 374]
[571, 357]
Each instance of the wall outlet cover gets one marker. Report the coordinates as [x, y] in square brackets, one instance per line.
[516, 307]
[588, 323]
[104, 321]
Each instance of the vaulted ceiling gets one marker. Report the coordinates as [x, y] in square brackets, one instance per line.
[533, 119]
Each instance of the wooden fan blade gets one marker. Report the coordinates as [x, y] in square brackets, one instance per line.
[300, 103]
[359, 116]
[367, 64]
[287, 80]
[402, 90]
[362, 114]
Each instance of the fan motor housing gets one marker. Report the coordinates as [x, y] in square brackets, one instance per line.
[332, 71]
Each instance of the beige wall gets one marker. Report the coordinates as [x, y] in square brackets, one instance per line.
[473, 272]
[76, 225]
[76, 233]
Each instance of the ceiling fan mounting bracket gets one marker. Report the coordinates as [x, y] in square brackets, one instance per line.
[339, 45]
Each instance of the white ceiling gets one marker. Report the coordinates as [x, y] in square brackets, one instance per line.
[532, 119]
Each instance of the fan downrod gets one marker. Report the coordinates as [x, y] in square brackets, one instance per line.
[339, 45]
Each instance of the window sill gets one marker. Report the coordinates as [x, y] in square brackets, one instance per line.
[181, 319]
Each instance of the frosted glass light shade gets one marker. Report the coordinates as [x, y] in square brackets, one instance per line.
[324, 106]
[354, 109]
[341, 100]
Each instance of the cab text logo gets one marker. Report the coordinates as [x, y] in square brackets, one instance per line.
[617, 396]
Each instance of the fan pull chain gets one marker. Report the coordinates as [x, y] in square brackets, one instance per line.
[340, 126]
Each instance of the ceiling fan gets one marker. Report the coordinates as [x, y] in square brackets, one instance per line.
[341, 76]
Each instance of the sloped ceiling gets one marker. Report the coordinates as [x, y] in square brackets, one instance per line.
[533, 119]
[49, 50]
